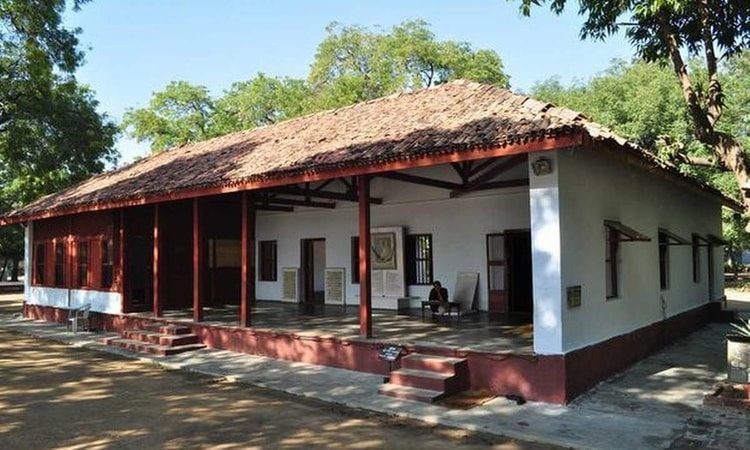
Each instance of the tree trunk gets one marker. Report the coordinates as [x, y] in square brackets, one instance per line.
[733, 158]
[14, 269]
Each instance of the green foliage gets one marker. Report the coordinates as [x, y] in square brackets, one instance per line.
[639, 101]
[179, 114]
[645, 21]
[51, 134]
[352, 64]
[642, 102]
[742, 327]
[260, 101]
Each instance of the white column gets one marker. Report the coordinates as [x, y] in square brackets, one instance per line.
[544, 198]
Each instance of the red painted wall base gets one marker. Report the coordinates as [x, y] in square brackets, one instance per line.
[553, 378]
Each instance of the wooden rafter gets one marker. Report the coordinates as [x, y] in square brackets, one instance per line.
[272, 200]
[262, 207]
[488, 174]
[462, 168]
[399, 176]
[500, 184]
[296, 190]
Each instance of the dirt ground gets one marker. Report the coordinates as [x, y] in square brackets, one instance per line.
[53, 396]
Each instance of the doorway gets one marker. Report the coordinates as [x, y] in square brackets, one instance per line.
[140, 269]
[509, 272]
[520, 294]
[313, 270]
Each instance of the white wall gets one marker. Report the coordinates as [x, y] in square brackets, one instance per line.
[594, 188]
[458, 226]
[106, 302]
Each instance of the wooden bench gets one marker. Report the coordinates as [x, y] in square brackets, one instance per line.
[432, 303]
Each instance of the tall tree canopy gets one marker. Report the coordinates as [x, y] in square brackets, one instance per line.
[51, 134]
[673, 31]
[642, 102]
[352, 64]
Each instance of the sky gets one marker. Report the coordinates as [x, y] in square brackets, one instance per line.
[136, 47]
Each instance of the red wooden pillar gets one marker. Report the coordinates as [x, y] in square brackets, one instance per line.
[247, 296]
[365, 282]
[157, 305]
[122, 273]
[198, 256]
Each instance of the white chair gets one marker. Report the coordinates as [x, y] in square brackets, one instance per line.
[80, 318]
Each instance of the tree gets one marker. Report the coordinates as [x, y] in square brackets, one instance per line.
[641, 102]
[179, 114]
[664, 30]
[260, 101]
[51, 134]
[354, 64]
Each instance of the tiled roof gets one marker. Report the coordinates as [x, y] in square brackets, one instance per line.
[453, 117]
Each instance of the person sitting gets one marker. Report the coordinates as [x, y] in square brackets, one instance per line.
[438, 297]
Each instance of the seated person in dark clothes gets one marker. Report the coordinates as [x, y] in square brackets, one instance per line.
[438, 294]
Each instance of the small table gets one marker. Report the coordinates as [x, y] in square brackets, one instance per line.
[451, 305]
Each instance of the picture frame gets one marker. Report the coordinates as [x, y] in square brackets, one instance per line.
[383, 251]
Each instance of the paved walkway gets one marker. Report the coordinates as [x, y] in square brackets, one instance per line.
[655, 404]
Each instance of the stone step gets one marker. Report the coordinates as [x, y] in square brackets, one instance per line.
[434, 363]
[153, 337]
[411, 393]
[167, 329]
[425, 379]
[150, 348]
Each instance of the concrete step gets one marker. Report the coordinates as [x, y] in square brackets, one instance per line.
[176, 340]
[411, 393]
[153, 349]
[167, 329]
[153, 337]
[434, 363]
[424, 379]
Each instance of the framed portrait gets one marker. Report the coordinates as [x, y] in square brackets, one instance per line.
[383, 251]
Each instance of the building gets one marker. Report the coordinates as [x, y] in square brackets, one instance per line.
[604, 251]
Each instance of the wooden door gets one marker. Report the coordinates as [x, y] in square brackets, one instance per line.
[140, 270]
[313, 270]
[497, 274]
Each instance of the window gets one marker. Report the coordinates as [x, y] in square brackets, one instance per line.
[610, 261]
[616, 233]
[82, 257]
[40, 263]
[418, 252]
[666, 239]
[267, 257]
[696, 258]
[224, 253]
[355, 259]
[663, 261]
[59, 264]
[107, 263]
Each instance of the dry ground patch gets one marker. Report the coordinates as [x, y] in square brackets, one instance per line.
[56, 396]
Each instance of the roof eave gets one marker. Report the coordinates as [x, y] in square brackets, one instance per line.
[519, 146]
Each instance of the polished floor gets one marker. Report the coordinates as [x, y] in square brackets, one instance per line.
[475, 331]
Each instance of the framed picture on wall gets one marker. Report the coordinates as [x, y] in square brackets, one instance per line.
[383, 251]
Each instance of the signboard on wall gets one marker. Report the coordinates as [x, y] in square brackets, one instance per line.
[289, 284]
[335, 286]
[387, 258]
